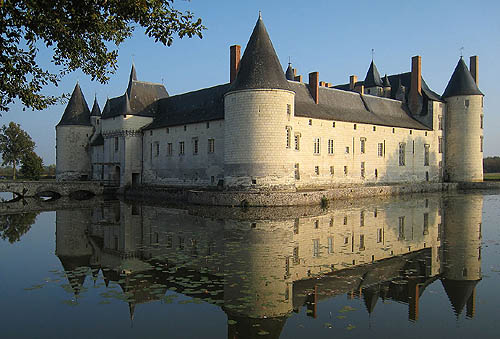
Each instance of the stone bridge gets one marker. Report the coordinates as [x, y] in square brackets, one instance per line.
[51, 188]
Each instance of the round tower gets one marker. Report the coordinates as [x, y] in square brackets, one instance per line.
[463, 127]
[257, 111]
[461, 270]
[72, 139]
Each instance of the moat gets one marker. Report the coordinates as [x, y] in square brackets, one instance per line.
[411, 266]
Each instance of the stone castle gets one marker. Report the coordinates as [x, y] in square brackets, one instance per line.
[268, 129]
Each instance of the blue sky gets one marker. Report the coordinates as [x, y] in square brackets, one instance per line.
[334, 38]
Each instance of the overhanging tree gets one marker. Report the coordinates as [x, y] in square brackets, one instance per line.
[14, 144]
[81, 34]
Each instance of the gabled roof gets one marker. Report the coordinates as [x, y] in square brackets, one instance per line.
[204, 105]
[461, 82]
[77, 111]
[259, 67]
[372, 78]
[96, 110]
[347, 106]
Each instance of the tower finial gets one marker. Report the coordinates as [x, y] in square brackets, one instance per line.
[260, 15]
[461, 52]
[373, 53]
[289, 60]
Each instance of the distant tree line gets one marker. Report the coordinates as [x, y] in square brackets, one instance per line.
[491, 165]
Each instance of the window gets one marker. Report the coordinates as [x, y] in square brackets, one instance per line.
[195, 146]
[169, 149]
[426, 223]
[333, 124]
[316, 248]
[185, 128]
[346, 240]
[374, 128]
[157, 147]
[330, 146]
[296, 226]
[288, 137]
[297, 141]
[362, 242]
[310, 122]
[332, 220]
[440, 123]
[208, 124]
[116, 144]
[467, 103]
[332, 170]
[211, 145]
[362, 146]
[440, 144]
[362, 169]
[481, 141]
[345, 220]
[376, 173]
[167, 130]
[297, 171]
[316, 224]
[482, 119]
[181, 148]
[355, 126]
[316, 146]
[393, 130]
[330, 245]
[347, 150]
[380, 149]
[362, 218]
[296, 255]
[345, 170]
[289, 111]
[402, 154]
[401, 228]
[426, 154]
[316, 170]
[379, 235]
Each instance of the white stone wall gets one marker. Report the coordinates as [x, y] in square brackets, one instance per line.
[72, 152]
[97, 158]
[203, 168]
[255, 124]
[464, 158]
[349, 135]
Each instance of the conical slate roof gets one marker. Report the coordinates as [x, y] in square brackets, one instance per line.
[77, 112]
[96, 110]
[132, 78]
[459, 291]
[386, 82]
[259, 66]
[289, 73]
[372, 78]
[461, 82]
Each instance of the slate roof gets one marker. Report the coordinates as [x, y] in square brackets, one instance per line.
[289, 73]
[259, 67]
[348, 106]
[77, 111]
[372, 78]
[96, 110]
[461, 82]
[385, 81]
[395, 81]
[459, 291]
[98, 140]
[203, 105]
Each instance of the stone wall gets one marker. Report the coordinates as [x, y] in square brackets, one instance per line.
[72, 152]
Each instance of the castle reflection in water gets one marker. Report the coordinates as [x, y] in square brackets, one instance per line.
[259, 265]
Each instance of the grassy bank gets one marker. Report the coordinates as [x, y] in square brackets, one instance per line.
[492, 176]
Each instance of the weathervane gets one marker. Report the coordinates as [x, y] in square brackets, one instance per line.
[373, 53]
[461, 52]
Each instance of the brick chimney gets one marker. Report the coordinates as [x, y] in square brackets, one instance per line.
[473, 67]
[415, 96]
[298, 78]
[234, 61]
[314, 86]
[353, 79]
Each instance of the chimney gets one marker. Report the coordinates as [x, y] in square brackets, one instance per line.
[353, 79]
[473, 67]
[234, 61]
[314, 86]
[322, 84]
[298, 78]
[294, 72]
[415, 97]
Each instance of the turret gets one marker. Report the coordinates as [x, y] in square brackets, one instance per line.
[461, 269]
[387, 86]
[373, 83]
[72, 139]
[95, 115]
[257, 110]
[463, 127]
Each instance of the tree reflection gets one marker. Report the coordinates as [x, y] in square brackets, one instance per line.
[14, 226]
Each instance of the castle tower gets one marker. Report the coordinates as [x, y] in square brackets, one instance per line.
[463, 127]
[72, 139]
[461, 270]
[257, 109]
[373, 83]
[95, 116]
